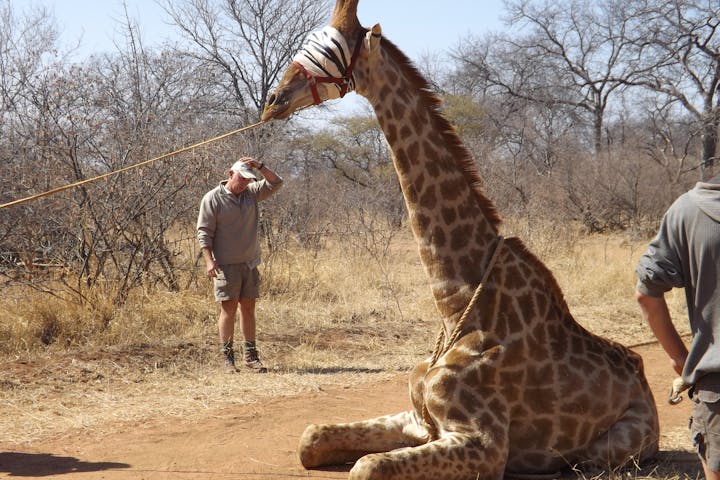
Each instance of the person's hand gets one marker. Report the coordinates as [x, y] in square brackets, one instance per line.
[211, 269]
[251, 162]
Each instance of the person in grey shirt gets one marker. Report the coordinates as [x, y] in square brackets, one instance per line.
[686, 254]
[227, 229]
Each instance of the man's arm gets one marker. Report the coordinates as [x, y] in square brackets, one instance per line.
[270, 185]
[266, 171]
[656, 314]
[205, 234]
[210, 264]
[269, 174]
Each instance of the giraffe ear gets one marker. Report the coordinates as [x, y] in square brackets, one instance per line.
[372, 38]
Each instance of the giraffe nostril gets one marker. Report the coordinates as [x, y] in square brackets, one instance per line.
[271, 99]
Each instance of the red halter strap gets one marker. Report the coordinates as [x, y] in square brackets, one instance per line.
[343, 82]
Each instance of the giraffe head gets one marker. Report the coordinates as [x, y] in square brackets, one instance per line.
[329, 64]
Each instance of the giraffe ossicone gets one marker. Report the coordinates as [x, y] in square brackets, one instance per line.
[522, 388]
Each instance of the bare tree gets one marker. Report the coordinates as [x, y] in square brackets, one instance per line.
[26, 40]
[82, 120]
[27, 46]
[244, 44]
[678, 44]
[572, 54]
[668, 136]
[27, 55]
[74, 121]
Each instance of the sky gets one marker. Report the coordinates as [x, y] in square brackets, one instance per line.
[417, 27]
[420, 28]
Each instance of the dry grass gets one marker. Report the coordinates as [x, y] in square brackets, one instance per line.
[65, 367]
[333, 318]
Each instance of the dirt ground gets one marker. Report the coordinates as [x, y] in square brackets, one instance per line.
[258, 441]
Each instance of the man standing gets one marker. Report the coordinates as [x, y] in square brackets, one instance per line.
[227, 229]
[686, 254]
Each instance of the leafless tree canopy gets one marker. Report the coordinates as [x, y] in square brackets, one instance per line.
[611, 99]
[244, 45]
[65, 121]
[679, 54]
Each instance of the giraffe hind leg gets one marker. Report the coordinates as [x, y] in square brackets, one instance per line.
[633, 438]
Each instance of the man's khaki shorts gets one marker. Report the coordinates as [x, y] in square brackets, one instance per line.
[705, 427]
[236, 281]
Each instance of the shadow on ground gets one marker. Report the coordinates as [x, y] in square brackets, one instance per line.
[45, 464]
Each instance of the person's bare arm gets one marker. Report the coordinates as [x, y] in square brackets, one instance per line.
[656, 314]
[210, 264]
[266, 171]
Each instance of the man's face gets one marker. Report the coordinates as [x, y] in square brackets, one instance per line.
[237, 183]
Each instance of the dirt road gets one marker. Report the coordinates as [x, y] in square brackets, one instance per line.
[254, 442]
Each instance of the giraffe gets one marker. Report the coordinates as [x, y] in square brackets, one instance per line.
[516, 385]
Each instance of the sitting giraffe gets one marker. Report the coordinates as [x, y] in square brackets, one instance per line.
[515, 385]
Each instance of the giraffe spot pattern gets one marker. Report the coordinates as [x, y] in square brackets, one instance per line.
[449, 215]
[428, 199]
[438, 238]
[413, 150]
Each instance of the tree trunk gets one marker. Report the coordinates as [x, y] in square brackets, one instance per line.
[709, 148]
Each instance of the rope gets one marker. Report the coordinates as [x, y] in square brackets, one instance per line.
[441, 347]
[130, 167]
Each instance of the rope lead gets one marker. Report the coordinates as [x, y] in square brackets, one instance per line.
[130, 167]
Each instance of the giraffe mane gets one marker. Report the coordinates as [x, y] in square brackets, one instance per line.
[452, 140]
[458, 150]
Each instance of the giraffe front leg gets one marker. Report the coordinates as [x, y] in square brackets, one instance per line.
[455, 456]
[335, 444]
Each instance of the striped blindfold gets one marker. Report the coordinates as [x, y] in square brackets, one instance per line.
[325, 56]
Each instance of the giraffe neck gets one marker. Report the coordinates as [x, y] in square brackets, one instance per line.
[454, 224]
